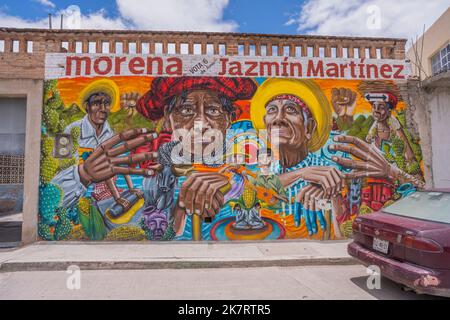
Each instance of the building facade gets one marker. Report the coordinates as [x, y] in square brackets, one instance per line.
[309, 132]
[430, 57]
[430, 54]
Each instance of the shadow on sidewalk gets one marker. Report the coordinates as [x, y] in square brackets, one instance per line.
[390, 291]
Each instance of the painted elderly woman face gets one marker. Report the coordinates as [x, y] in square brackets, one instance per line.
[202, 106]
[286, 120]
[197, 113]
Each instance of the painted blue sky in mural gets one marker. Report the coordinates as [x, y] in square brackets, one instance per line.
[402, 18]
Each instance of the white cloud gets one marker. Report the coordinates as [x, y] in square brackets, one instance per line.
[399, 18]
[46, 3]
[73, 19]
[99, 20]
[185, 15]
[17, 22]
[170, 15]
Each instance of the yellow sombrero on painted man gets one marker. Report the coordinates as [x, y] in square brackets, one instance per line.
[306, 90]
[106, 86]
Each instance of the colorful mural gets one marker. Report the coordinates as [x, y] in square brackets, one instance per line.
[209, 157]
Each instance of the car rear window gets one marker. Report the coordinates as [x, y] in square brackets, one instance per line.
[430, 206]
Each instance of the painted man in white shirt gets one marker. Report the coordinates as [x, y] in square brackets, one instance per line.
[100, 164]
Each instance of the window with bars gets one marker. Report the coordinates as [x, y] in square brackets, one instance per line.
[12, 140]
[11, 169]
[441, 61]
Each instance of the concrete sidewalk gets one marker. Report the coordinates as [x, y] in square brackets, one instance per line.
[138, 256]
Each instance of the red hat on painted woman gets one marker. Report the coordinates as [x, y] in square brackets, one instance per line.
[162, 91]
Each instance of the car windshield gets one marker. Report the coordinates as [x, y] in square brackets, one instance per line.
[430, 206]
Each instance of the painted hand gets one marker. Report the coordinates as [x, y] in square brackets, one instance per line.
[306, 206]
[370, 161]
[138, 193]
[106, 161]
[329, 178]
[201, 194]
[343, 101]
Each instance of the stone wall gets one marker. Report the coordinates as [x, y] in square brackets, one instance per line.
[429, 115]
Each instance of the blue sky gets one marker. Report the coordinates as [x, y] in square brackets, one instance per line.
[31, 9]
[255, 16]
[268, 16]
[399, 18]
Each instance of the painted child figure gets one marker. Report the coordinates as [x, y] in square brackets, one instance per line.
[255, 221]
[241, 218]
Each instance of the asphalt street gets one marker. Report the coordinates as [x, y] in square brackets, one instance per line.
[290, 283]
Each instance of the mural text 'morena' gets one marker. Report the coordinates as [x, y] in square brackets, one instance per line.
[94, 65]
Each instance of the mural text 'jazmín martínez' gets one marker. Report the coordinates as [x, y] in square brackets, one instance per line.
[173, 65]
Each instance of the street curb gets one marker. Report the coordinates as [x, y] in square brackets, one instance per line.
[17, 266]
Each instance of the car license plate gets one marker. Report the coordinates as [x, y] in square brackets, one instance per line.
[381, 245]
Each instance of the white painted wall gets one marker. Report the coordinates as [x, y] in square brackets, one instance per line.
[439, 105]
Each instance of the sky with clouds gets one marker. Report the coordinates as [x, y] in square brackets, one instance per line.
[386, 18]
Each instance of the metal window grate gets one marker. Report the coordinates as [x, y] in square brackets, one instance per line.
[11, 169]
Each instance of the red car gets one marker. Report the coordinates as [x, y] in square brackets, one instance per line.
[409, 241]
